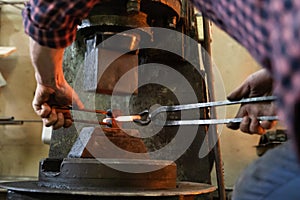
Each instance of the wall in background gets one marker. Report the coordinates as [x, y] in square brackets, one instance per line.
[234, 64]
[20, 146]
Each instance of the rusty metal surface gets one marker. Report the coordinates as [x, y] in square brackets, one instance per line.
[152, 9]
[114, 16]
[182, 189]
[132, 21]
[93, 143]
[79, 173]
[160, 5]
[207, 61]
[133, 6]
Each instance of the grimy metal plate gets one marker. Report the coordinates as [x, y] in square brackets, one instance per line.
[74, 173]
[182, 189]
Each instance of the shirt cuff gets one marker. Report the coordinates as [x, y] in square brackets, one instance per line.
[59, 38]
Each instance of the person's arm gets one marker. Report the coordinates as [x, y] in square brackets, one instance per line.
[258, 84]
[51, 29]
[52, 88]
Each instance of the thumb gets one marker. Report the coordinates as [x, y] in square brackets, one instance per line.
[240, 92]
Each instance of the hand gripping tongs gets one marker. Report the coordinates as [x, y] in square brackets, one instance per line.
[146, 117]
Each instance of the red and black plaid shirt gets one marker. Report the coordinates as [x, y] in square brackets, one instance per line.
[269, 30]
[54, 23]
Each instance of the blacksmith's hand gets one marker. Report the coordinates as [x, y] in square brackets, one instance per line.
[257, 84]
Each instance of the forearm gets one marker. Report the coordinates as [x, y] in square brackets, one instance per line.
[47, 63]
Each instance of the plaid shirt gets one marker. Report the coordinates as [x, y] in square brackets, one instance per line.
[270, 30]
[54, 23]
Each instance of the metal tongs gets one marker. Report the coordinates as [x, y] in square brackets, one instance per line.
[13, 121]
[147, 117]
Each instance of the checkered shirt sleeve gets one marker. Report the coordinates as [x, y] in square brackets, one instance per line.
[54, 23]
[270, 31]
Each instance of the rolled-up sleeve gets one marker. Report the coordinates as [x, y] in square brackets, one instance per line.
[54, 23]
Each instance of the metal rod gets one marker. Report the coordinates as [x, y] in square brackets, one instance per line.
[209, 104]
[21, 122]
[214, 135]
[11, 122]
[67, 108]
[91, 122]
[210, 121]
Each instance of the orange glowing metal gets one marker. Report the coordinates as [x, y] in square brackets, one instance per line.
[128, 118]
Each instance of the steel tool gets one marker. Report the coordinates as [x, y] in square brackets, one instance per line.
[150, 116]
[145, 117]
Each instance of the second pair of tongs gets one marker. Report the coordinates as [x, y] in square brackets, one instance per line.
[148, 117]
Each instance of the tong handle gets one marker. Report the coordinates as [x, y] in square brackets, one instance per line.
[67, 108]
[209, 104]
[151, 116]
[10, 121]
[211, 121]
